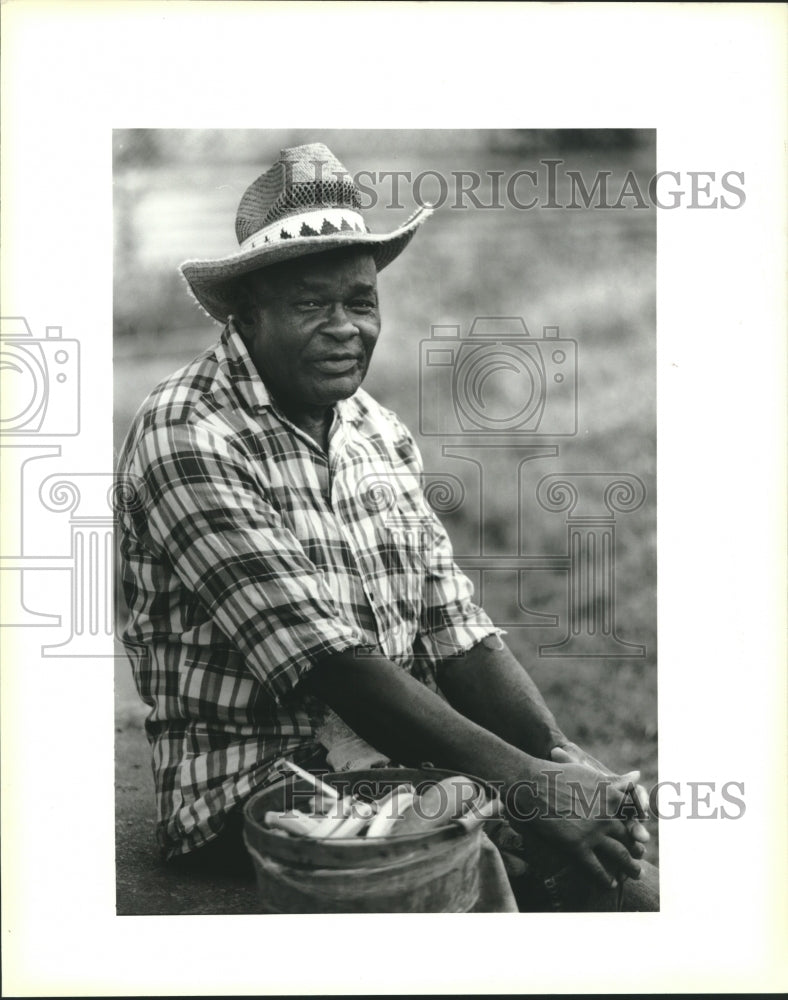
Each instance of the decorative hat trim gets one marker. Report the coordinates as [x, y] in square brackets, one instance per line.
[324, 222]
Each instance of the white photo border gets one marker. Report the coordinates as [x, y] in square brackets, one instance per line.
[711, 80]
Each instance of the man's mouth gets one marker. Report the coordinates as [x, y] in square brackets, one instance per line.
[337, 364]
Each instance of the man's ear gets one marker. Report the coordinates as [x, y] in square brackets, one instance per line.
[243, 310]
[243, 324]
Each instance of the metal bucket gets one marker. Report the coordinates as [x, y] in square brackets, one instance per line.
[432, 872]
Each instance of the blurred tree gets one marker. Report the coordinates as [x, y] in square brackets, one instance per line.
[136, 147]
[565, 139]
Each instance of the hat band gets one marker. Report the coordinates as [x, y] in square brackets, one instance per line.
[318, 222]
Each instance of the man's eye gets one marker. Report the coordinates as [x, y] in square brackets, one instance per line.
[308, 304]
[362, 305]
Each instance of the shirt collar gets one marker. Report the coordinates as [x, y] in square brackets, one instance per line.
[237, 365]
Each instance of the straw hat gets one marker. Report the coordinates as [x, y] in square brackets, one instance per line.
[306, 203]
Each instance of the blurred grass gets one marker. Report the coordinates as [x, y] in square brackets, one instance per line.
[591, 272]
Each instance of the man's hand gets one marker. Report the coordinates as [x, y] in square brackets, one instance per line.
[573, 808]
[402, 718]
[571, 753]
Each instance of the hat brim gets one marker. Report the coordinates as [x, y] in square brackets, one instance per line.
[211, 281]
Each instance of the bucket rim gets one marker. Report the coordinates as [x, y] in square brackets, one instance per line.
[395, 842]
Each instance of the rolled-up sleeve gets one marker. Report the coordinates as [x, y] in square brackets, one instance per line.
[206, 512]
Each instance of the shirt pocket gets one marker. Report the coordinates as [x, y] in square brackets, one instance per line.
[404, 544]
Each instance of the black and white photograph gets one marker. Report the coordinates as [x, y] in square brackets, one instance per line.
[313, 584]
[372, 546]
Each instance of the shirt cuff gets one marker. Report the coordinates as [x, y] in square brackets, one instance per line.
[288, 662]
[456, 636]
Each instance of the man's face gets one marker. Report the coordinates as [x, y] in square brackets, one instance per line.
[314, 328]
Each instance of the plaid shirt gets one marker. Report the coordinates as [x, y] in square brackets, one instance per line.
[249, 555]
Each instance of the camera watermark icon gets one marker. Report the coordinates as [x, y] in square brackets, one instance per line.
[497, 380]
[40, 381]
[40, 391]
[495, 396]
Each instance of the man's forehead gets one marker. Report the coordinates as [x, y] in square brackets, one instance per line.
[312, 280]
[358, 268]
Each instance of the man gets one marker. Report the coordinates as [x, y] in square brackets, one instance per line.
[282, 567]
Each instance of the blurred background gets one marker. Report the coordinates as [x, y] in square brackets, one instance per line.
[591, 272]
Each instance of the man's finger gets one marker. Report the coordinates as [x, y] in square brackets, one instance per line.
[572, 754]
[617, 830]
[634, 805]
[638, 792]
[620, 831]
[642, 795]
[630, 778]
[638, 831]
[596, 869]
[620, 855]
[598, 765]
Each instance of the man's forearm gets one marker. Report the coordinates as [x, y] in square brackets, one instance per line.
[490, 687]
[401, 717]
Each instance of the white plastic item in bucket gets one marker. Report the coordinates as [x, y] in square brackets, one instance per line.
[436, 871]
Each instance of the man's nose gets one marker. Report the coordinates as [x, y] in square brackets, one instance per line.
[339, 325]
